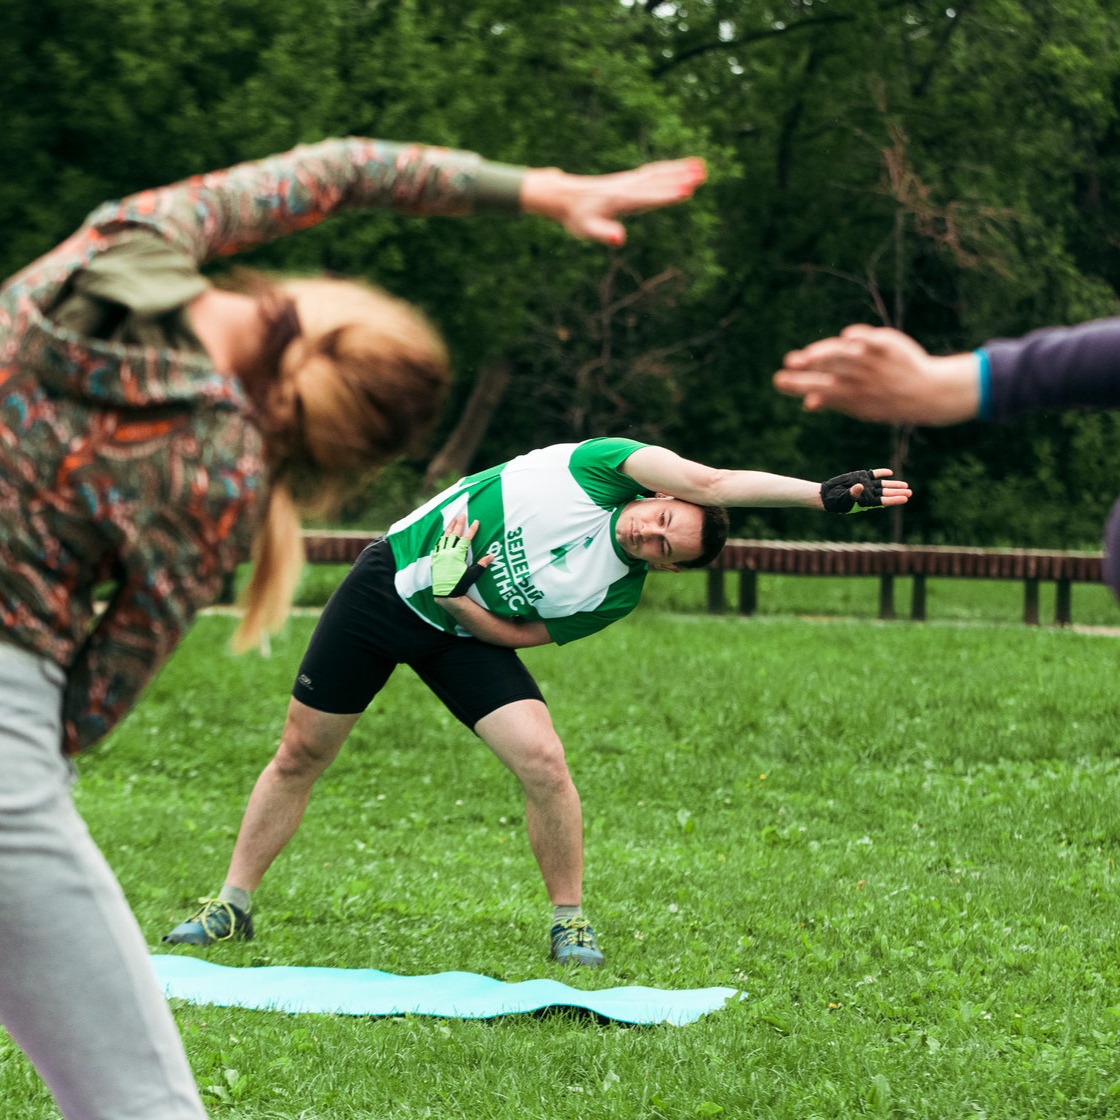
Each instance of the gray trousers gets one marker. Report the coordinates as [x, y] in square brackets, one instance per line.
[77, 991]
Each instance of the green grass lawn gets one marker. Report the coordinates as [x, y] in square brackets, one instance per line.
[900, 839]
[947, 600]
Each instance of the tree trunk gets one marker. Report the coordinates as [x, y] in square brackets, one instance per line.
[454, 457]
[899, 443]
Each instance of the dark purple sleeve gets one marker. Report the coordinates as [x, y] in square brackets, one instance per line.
[1056, 369]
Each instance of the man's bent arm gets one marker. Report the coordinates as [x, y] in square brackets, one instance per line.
[666, 472]
[515, 633]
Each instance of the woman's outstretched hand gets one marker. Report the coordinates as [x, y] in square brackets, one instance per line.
[589, 206]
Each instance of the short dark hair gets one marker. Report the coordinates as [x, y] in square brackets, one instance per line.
[713, 536]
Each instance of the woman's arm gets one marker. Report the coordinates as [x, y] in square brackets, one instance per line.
[224, 212]
[589, 205]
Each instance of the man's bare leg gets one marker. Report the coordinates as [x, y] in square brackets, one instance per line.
[310, 742]
[522, 736]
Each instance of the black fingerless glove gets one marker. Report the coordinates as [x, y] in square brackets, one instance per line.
[837, 499]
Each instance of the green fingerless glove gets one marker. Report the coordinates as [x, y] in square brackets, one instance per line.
[449, 563]
[836, 499]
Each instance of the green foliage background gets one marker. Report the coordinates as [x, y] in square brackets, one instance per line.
[949, 170]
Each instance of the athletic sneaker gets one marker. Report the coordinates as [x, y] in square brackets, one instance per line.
[213, 921]
[573, 942]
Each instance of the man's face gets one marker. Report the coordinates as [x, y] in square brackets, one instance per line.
[664, 532]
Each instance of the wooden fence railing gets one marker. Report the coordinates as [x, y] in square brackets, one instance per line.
[748, 558]
[919, 562]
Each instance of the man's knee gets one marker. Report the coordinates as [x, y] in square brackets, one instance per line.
[296, 758]
[541, 766]
[309, 743]
[522, 736]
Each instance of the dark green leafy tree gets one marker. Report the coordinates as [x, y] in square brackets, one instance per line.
[948, 169]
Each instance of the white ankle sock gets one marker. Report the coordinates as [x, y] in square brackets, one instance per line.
[242, 899]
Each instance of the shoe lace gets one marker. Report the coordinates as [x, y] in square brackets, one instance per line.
[575, 931]
[210, 916]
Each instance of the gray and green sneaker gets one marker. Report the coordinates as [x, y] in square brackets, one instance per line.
[573, 942]
[213, 921]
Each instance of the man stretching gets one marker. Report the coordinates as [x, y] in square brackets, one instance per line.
[564, 537]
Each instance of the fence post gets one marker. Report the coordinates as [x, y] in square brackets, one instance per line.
[886, 596]
[748, 591]
[717, 603]
[1030, 601]
[1063, 613]
[918, 598]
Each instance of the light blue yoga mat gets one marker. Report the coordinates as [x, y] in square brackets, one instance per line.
[461, 995]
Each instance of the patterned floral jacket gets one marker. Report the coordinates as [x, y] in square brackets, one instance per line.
[143, 466]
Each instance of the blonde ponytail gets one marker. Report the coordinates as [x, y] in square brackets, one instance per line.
[349, 378]
[277, 563]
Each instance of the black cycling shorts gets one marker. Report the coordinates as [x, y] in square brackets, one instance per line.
[366, 630]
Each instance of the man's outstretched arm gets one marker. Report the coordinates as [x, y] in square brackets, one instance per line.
[665, 472]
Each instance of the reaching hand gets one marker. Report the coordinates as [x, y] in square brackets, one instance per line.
[589, 206]
[859, 491]
[883, 375]
[451, 575]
